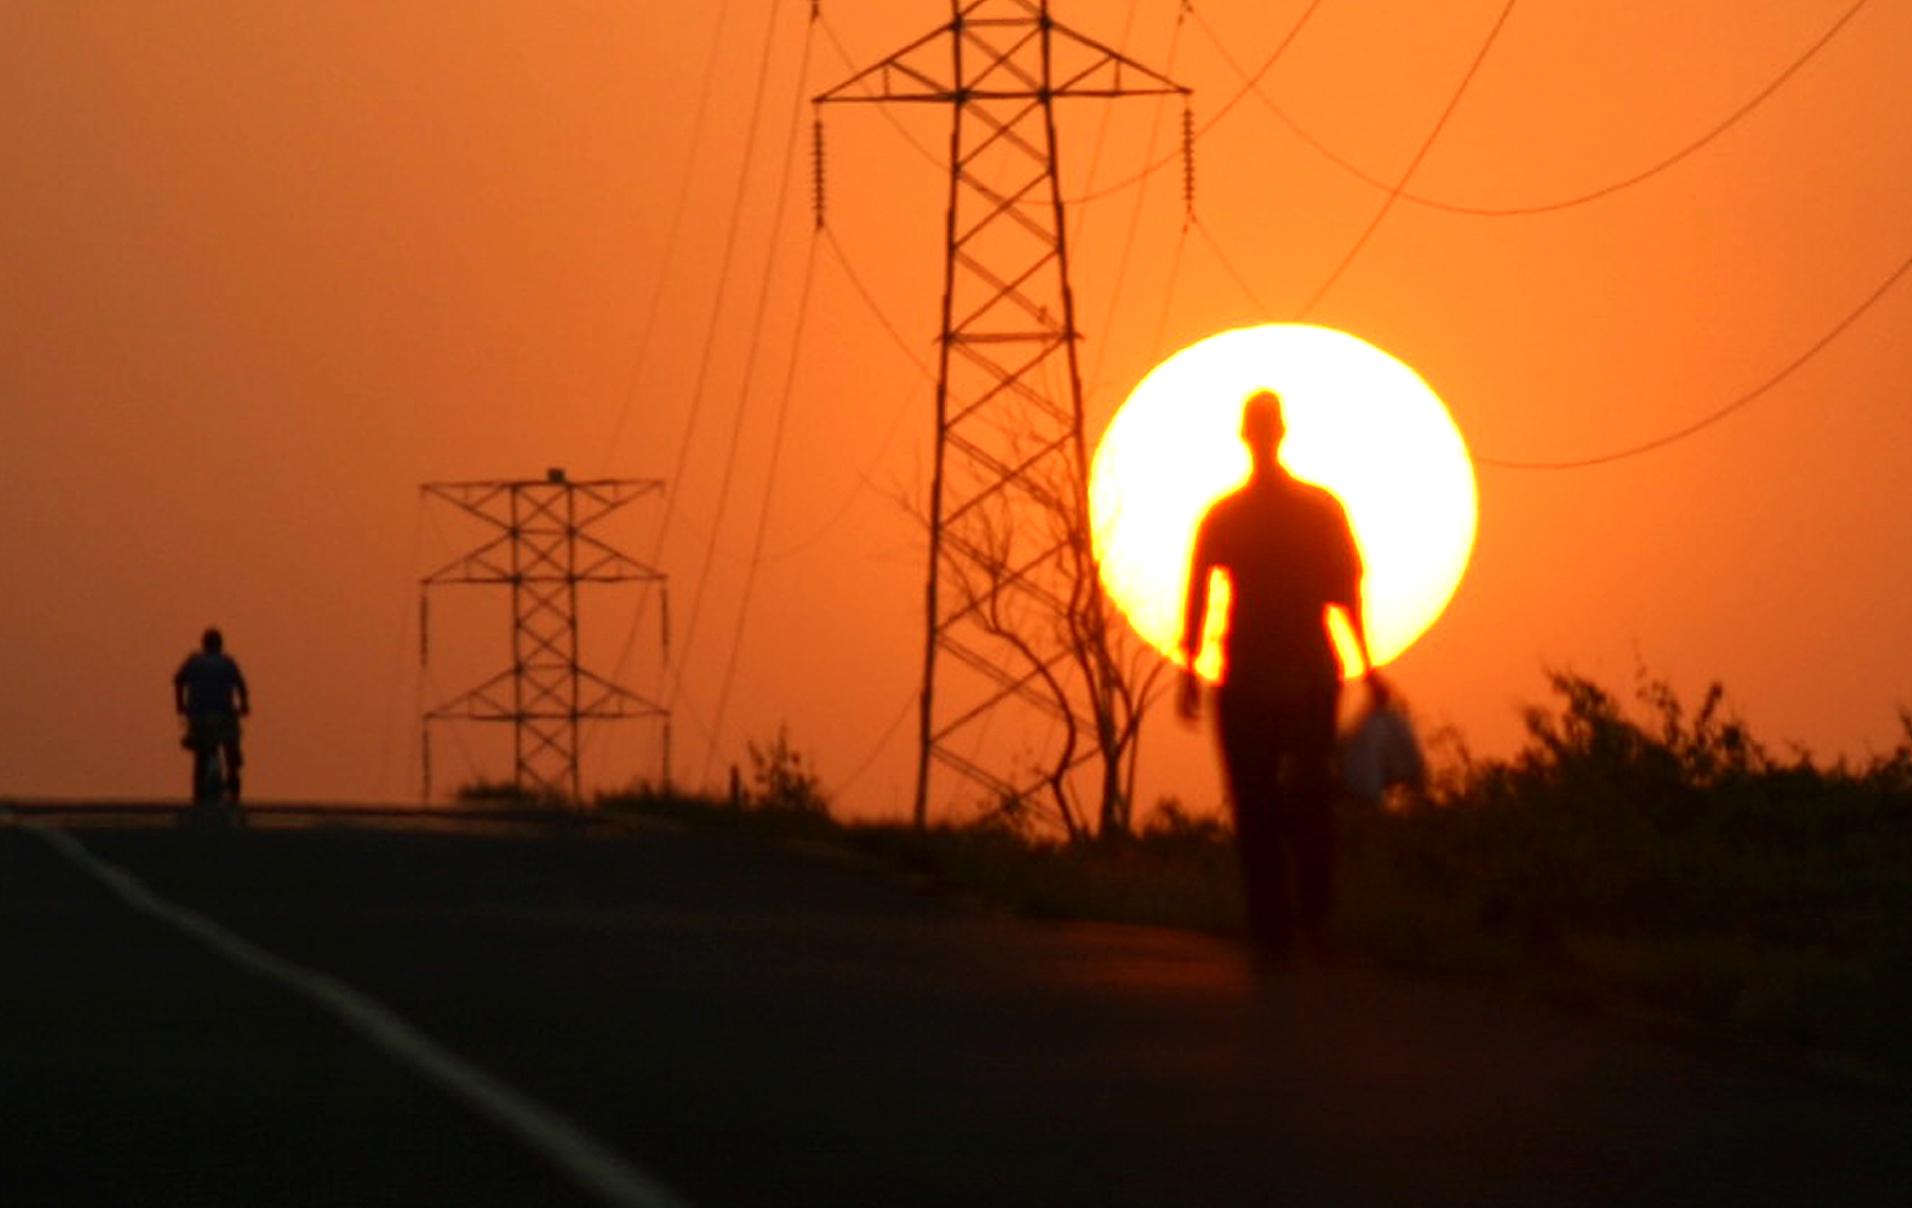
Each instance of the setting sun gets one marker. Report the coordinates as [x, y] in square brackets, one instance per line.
[1360, 423]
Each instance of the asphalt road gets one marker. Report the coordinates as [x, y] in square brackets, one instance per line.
[746, 1024]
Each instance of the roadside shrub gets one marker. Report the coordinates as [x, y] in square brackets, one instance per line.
[783, 779]
[1637, 849]
[503, 794]
[1670, 854]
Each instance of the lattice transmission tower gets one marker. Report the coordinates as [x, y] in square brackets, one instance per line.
[1004, 697]
[543, 549]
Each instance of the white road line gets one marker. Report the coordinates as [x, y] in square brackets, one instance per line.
[559, 1141]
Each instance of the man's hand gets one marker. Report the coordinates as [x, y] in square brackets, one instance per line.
[1379, 694]
[1188, 702]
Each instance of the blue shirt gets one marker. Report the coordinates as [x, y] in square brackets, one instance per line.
[212, 682]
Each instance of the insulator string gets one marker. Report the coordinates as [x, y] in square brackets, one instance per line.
[1188, 164]
[816, 170]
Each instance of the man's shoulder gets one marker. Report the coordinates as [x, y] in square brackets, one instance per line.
[200, 659]
[1290, 503]
[1230, 511]
[1317, 498]
[1225, 505]
[1287, 496]
[1314, 507]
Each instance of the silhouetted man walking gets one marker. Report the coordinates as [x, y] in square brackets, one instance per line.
[1289, 555]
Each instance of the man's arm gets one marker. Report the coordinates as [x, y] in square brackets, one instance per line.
[1349, 602]
[239, 687]
[1378, 692]
[1194, 616]
[1351, 608]
[179, 689]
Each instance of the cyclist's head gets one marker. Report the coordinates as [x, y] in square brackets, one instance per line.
[212, 641]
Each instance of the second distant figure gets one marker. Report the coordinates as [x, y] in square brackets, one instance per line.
[1289, 556]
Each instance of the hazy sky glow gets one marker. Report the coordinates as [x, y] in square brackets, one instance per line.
[271, 265]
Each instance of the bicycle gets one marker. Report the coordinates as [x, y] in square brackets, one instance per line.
[212, 806]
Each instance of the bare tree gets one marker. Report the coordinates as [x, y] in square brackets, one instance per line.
[1058, 635]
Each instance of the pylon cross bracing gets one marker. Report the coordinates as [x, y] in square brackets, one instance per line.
[1009, 556]
[543, 549]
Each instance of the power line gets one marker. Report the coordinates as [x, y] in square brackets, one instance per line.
[1248, 84]
[1427, 144]
[674, 483]
[1135, 211]
[1435, 203]
[1719, 413]
[1266, 311]
[686, 701]
[792, 548]
[408, 610]
[763, 511]
[897, 415]
[672, 232]
[724, 264]
[427, 687]
[889, 732]
[1704, 422]
[922, 368]
[932, 157]
[1399, 193]
[799, 545]
[876, 308]
[750, 359]
[1251, 83]
[1168, 291]
[1108, 114]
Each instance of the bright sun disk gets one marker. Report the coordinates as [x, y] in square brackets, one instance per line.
[1360, 423]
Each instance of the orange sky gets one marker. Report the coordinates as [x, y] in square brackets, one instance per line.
[269, 266]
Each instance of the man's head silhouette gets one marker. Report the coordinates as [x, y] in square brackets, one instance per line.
[212, 641]
[1262, 428]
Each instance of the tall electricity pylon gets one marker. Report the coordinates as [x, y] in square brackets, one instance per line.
[1008, 522]
[543, 550]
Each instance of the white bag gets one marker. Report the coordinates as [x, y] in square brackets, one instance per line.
[1380, 753]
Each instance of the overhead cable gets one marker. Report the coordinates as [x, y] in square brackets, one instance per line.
[1101, 142]
[1507, 211]
[1234, 274]
[1718, 413]
[1135, 211]
[868, 761]
[672, 232]
[935, 158]
[675, 481]
[1427, 144]
[760, 313]
[875, 308]
[1248, 84]
[778, 429]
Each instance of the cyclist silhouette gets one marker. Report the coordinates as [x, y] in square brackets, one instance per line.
[210, 693]
[1289, 556]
